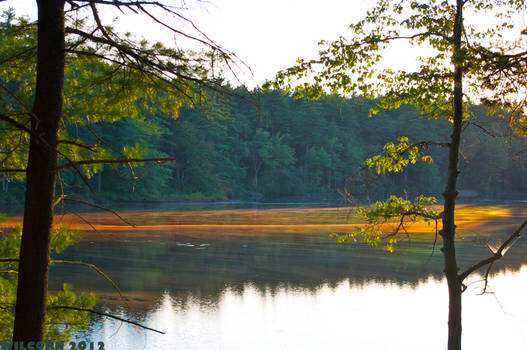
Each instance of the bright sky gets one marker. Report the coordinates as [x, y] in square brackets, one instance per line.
[271, 35]
[267, 35]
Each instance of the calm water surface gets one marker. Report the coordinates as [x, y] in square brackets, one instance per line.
[272, 279]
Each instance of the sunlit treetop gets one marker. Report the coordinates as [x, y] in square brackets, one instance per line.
[357, 63]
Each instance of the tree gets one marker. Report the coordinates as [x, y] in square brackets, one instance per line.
[441, 85]
[61, 238]
[74, 29]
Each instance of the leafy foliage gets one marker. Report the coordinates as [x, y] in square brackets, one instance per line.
[60, 324]
[397, 156]
[381, 213]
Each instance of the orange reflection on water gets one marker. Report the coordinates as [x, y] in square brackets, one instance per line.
[469, 218]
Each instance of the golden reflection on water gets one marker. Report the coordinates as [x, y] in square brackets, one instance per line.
[372, 315]
[469, 218]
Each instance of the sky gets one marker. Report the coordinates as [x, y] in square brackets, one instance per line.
[266, 35]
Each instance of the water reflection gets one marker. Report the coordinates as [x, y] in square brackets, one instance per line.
[373, 315]
[272, 279]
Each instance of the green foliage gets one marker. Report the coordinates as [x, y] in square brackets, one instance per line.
[56, 319]
[381, 213]
[227, 148]
[61, 238]
[60, 324]
[18, 45]
[355, 63]
[395, 206]
[397, 156]
[100, 86]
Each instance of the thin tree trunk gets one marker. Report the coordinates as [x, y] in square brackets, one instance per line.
[450, 194]
[41, 174]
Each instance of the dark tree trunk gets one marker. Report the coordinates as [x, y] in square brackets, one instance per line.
[449, 228]
[41, 174]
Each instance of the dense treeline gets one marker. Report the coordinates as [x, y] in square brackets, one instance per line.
[267, 145]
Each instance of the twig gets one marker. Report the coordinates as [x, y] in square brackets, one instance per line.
[99, 271]
[105, 315]
[9, 170]
[80, 217]
[100, 207]
[12, 94]
[78, 144]
[496, 256]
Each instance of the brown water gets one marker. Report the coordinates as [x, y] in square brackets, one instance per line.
[273, 279]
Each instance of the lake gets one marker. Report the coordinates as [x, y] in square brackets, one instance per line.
[271, 278]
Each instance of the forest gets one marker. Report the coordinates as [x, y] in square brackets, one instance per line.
[266, 145]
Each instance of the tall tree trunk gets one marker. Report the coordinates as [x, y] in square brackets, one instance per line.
[41, 174]
[450, 194]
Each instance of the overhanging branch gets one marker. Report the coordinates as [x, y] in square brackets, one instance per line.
[59, 307]
[496, 256]
[100, 207]
[12, 170]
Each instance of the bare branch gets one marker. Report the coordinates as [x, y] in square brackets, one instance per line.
[131, 52]
[20, 53]
[496, 256]
[100, 207]
[375, 40]
[99, 271]
[80, 217]
[15, 123]
[78, 144]
[10, 170]
[39, 137]
[482, 128]
[58, 307]
[13, 95]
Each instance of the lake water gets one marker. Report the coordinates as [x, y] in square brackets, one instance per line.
[271, 278]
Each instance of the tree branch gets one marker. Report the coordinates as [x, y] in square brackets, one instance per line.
[80, 217]
[100, 207]
[10, 170]
[78, 144]
[31, 132]
[496, 256]
[15, 123]
[99, 271]
[58, 307]
[13, 95]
